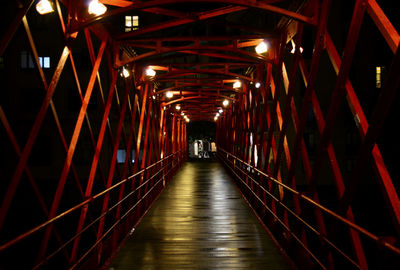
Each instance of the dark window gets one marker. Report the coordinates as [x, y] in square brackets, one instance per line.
[26, 60]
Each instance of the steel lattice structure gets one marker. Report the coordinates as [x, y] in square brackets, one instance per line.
[88, 149]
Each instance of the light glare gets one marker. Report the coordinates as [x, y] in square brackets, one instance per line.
[44, 7]
[237, 84]
[169, 94]
[262, 47]
[125, 72]
[97, 8]
[150, 72]
[294, 48]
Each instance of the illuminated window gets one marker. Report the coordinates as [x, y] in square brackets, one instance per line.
[378, 80]
[131, 23]
[121, 155]
[380, 76]
[44, 61]
[27, 60]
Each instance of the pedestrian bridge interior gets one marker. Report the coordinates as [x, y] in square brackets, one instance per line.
[195, 134]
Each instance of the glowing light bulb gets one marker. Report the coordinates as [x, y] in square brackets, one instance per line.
[125, 72]
[237, 84]
[187, 120]
[215, 118]
[225, 102]
[150, 72]
[44, 7]
[262, 47]
[169, 94]
[257, 85]
[220, 110]
[97, 8]
[178, 107]
[217, 115]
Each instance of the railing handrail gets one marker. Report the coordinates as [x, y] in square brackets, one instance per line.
[344, 220]
[81, 204]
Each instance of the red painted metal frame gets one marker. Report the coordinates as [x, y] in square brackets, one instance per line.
[154, 171]
[232, 140]
[135, 115]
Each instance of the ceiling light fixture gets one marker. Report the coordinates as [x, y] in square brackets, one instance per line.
[150, 72]
[262, 47]
[44, 7]
[125, 72]
[97, 8]
[237, 84]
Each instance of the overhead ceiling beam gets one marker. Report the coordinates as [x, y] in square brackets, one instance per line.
[186, 73]
[155, 10]
[197, 49]
[188, 18]
[200, 38]
[140, 5]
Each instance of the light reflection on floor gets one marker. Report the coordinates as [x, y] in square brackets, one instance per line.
[200, 222]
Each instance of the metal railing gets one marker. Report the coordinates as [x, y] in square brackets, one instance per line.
[168, 164]
[226, 157]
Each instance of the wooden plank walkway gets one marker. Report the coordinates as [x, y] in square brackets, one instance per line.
[199, 222]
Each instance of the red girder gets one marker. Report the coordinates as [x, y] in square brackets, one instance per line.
[157, 3]
[138, 137]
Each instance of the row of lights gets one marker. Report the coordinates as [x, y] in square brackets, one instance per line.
[95, 7]
[149, 72]
[178, 108]
[238, 84]
[225, 103]
[262, 47]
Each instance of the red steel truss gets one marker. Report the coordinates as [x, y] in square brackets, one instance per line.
[124, 139]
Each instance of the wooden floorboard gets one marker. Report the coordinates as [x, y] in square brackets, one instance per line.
[199, 222]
